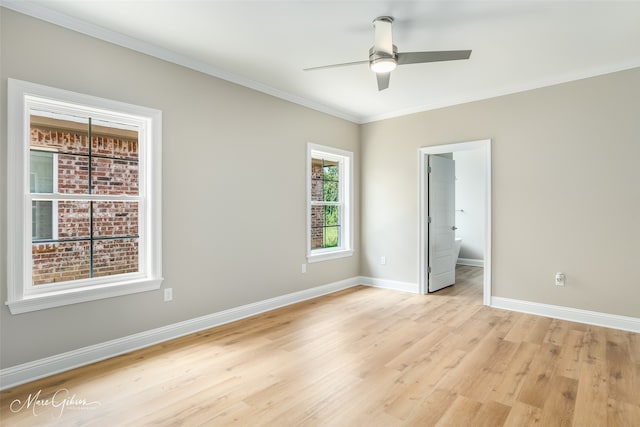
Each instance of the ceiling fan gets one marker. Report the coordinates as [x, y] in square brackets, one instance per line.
[384, 56]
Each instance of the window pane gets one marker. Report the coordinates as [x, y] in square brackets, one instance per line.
[317, 237]
[316, 180]
[58, 132]
[331, 237]
[325, 180]
[330, 191]
[331, 215]
[114, 176]
[42, 220]
[316, 169]
[114, 140]
[59, 262]
[330, 170]
[73, 174]
[317, 192]
[325, 227]
[115, 219]
[41, 172]
[73, 220]
[115, 256]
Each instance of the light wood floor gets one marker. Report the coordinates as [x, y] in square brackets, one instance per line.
[360, 357]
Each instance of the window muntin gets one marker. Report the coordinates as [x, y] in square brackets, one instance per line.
[93, 167]
[329, 193]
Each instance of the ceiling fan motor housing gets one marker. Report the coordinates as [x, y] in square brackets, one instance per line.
[383, 56]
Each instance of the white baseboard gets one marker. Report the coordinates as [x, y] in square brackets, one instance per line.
[470, 261]
[390, 284]
[30, 371]
[567, 313]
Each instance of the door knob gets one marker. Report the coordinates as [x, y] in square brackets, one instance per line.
[454, 228]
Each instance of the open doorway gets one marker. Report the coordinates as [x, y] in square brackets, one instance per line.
[436, 221]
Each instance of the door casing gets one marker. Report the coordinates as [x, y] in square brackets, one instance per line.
[423, 206]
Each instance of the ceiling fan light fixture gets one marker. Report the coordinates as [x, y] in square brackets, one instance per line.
[383, 65]
[383, 62]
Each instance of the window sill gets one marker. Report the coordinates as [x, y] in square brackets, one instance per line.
[328, 255]
[74, 296]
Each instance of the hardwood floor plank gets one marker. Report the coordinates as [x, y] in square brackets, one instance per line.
[491, 414]
[461, 412]
[508, 389]
[522, 414]
[622, 414]
[570, 358]
[592, 395]
[432, 408]
[623, 381]
[419, 381]
[560, 402]
[536, 383]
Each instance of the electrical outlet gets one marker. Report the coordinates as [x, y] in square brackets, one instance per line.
[383, 260]
[560, 279]
[168, 294]
[304, 268]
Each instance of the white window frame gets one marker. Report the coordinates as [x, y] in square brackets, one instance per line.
[22, 295]
[345, 159]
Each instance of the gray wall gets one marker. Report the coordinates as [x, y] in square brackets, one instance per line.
[566, 193]
[234, 200]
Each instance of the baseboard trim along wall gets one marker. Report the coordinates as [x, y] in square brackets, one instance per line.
[31, 371]
[470, 261]
[390, 284]
[567, 313]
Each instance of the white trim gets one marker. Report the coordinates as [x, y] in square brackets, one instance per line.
[423, 152]
[390, 284]
[507, 90]
[606, 320]
[75, 296]
[22, 296]
[471, 262]
[101, 33]
[30, 371]
[326, 256]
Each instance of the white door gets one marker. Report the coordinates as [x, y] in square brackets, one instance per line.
[441, 227]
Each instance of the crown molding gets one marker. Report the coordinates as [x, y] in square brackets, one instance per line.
[104, 34]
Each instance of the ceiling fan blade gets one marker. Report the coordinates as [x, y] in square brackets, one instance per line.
[383, 80]
[421, 57]
[322, 67]
[383, 41]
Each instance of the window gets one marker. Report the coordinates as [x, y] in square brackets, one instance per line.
[89, 168]
[330, 214]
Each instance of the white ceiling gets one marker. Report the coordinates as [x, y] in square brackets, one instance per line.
[517, 45]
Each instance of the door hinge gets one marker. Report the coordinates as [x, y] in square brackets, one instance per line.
[429, 269]
[428, 169]
[428, 220]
